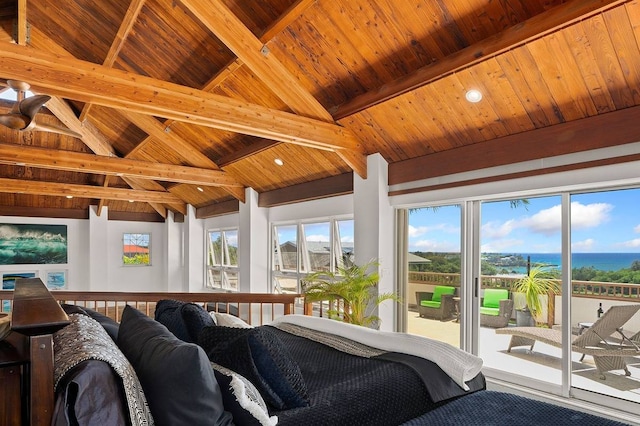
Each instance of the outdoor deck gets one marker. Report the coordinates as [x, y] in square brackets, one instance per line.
[543, 364]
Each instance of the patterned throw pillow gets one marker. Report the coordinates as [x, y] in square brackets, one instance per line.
[258, 354]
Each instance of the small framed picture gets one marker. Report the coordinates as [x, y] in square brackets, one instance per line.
[56, 280]
[9, 278]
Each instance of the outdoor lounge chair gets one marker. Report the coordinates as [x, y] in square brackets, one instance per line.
[496, 308]
[594, 341]
[437, 304]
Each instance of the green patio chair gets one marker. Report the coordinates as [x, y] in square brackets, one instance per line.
[496, 308]
[437, 304]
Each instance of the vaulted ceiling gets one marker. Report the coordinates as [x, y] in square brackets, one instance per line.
[188, 102]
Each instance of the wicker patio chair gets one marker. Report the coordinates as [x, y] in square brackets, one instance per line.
[496, 308]
[594, 341]
[437, 304]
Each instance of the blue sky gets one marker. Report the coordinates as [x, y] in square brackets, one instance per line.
[601, 222]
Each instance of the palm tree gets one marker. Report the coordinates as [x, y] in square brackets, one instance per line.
[354, 286]
[537, 283]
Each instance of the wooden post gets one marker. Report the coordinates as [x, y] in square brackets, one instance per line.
[37, 314]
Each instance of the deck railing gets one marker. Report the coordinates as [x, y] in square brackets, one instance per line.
[592, 289]
[624, 292]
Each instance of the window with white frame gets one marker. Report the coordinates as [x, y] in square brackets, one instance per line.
[302, 248]
[136, 249]
[222, 259]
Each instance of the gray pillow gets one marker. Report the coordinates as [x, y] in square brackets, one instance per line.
[176, 376]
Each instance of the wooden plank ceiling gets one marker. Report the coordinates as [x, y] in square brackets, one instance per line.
[173, 103]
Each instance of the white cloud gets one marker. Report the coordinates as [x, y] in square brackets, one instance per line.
[502, 246]
[636, 229]
[433, 245]
[635, 243]
[417, 231]
[548, 221]
[590, 215]
[422, 230]
[496, 230]
[585, 245]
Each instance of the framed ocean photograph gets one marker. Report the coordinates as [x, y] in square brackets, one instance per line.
[9, 278]
[31, 244]
[56, 280]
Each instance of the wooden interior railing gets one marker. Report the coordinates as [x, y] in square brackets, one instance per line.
[254, 308]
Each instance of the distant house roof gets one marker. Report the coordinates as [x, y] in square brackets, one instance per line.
[317, 246]
[414, 258]
[132, 248]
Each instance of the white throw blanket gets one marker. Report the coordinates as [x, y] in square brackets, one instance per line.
[461, 366]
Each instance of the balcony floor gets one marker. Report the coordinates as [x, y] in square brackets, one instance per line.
[543, 364]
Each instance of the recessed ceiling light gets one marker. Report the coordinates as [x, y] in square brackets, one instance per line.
[20, 164]
[473, 95]
[199, 189]
[131, 201]
[69, 196]
[278, 161]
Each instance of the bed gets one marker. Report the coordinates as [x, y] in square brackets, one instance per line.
[186, 365]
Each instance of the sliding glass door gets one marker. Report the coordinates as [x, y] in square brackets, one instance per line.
[534, 279]
[434, 264]
[520, 243]
[605, 274]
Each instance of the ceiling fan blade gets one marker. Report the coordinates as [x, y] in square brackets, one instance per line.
[14, 121]
[56, 129]
[31, 105]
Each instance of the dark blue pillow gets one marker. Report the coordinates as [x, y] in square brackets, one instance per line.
[258, 355]
[176, 376]
[168, 314]
[195, 319]
[183, 319]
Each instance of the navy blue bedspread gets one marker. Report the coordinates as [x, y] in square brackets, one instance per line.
[491, 408]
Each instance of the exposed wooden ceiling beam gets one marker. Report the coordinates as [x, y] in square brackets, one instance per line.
[65, 189]
[291, 14]
[87, 82]
[217, 17]
[534, 28]
[161, 132]
[220, 20]
[239, 154]
[21, 26]
[94, 140]
[128, 21]
[89, 163]
[90, 136]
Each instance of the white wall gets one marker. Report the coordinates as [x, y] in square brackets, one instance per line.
[96, 245]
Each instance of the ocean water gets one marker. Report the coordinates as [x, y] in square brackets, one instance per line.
[600, 261]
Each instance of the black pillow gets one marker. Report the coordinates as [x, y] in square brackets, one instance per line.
[110, 325]
[258, 354]
[195, 319]
[183, 319]
[168, 314]
[176, 376]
